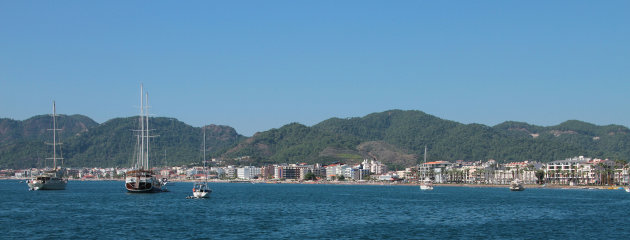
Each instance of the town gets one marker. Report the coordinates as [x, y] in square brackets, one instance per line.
[577, 171]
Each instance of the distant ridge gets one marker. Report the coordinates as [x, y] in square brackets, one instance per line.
[395, 137]
[398, 137]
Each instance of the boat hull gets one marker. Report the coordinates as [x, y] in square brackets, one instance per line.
[142, 182]
[426, 184]
[51, 184]
[200, 194]
[201, 190]
[516, 185]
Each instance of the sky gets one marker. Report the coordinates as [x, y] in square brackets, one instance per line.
[257, 65]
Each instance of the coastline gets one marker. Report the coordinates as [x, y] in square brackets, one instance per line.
[533, 186]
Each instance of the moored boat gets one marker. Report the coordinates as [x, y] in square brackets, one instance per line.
[51, 179]
[426, 183]
[516, 185]
[201, 189]
[141, 179]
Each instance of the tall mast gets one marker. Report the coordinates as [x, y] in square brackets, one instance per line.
[54, 143]
[54, 136]
[141, 156]
[147, 126]
[424, 174]
[204, 154]
[425, 154]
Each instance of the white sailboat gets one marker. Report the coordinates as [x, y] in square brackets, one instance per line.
[141, 179]
[516, 185]
[426, 183]
[51, 179]
[201, 189]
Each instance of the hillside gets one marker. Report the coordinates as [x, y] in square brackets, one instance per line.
[394, 137]
[111, 144]
[398, 138]
[36, 128]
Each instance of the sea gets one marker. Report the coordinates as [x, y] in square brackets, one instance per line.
[104, 210]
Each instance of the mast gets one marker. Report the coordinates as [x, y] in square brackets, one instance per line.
[54, 136]
[141, 156]
[54, 143]
[204, 154]
[425, 162]
[425, 154]
[147, 126]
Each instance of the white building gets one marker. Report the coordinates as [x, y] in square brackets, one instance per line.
[375, 167]
[247, 172]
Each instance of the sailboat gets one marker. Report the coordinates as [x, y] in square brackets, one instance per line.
[51, 179]
[141, 179]
[201, 189]
[516, 184]
[426, 183]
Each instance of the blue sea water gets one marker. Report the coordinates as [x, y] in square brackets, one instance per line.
[103, 210]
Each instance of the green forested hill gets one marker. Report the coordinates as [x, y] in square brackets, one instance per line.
[405, 133]
[22, 143]
[36, 128]
[175, 143]
[394, 137]
[111, 144]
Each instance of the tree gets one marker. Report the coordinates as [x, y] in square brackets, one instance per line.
[310, 176]
[540, 174]
[341, 177]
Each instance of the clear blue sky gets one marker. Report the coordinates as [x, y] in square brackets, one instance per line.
[257, 65]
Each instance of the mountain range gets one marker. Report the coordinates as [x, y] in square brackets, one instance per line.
[394, 137]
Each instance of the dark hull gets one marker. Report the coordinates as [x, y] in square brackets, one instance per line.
[142, 181]
[141, 188]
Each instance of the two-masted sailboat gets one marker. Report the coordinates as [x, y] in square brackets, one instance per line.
[141, 179]
[51, 179]
[201, 189]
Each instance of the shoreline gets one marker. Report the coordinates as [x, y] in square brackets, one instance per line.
[534, 186]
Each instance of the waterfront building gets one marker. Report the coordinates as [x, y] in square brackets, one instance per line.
[577, 170]
[388, 177]
[267, 172]
[292, 171]
[248, 172]
[229, 172]
[319, 170]
[375, 167]
[435, 170]
[333, 170]
[525, 171]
